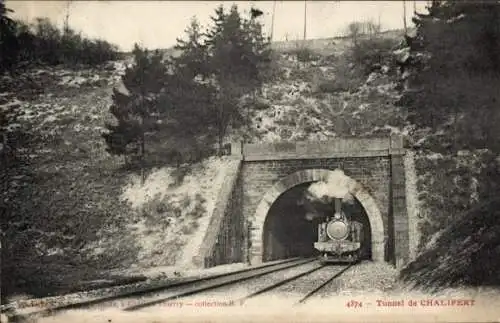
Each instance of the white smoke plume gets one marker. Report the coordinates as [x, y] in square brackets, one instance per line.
[335, 186]
[319, 197]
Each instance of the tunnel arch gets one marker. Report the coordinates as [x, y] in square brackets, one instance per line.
[314, 175]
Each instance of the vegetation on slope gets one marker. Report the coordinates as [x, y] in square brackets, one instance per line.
[46, 142]
[330, 96]
[466, 250]
[53, 200]
[24, 44]
[71, 210]
[452, 80]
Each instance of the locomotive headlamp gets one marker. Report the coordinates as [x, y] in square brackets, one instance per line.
[337, 228]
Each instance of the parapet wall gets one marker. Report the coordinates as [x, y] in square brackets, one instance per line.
[341, 147]
[223, 241]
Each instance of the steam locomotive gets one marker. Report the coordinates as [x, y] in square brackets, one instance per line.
[339, 237]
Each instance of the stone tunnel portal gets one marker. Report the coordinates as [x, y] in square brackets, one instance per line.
[288, 233]
[269, 240]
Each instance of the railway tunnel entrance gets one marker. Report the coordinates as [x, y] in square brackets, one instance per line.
[290, 231]
[287, 232]
[281, 230]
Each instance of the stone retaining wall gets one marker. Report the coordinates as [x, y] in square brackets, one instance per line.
[223, 241]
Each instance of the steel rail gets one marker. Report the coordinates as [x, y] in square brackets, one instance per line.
[213, 285]
[328, 281]
[143, 291]
[280, 283]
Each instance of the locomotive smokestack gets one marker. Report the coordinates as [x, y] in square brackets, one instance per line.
[338, 205]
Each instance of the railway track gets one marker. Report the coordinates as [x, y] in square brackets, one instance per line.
[291, 269]
[240, 292]
[151, 296]
[337, 271]
[315, 291]
[261, 284]
[274, 286]
[224, 281]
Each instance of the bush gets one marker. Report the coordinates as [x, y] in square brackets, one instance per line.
[69, 48]
[464, 253]
[44, 43]
[274, 70]
[347, 78]
[340, 84]
[368, 54]
[353, 66]
[304, 54]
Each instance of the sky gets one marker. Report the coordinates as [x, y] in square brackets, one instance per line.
[157, 24]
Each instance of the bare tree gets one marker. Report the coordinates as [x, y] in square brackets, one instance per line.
[305, 19]
[272, 21]
[371, 28]
[66, 19]
[354, 29]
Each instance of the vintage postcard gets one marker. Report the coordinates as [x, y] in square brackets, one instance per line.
[196, 161]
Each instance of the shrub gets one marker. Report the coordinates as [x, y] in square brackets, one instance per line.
[340, 84]
[304, 54]
[274, 71]
[347, 78]
[8, 41]
[43, 42]
[368, 54]
[332, 87]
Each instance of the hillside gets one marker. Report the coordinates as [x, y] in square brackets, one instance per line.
[327, 93]
[87, 212]
[113, 222]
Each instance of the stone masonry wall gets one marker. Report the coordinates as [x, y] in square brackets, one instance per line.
[412, 202]
[399, 212]
[223, 241]
[371, 172]
[377, 164]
